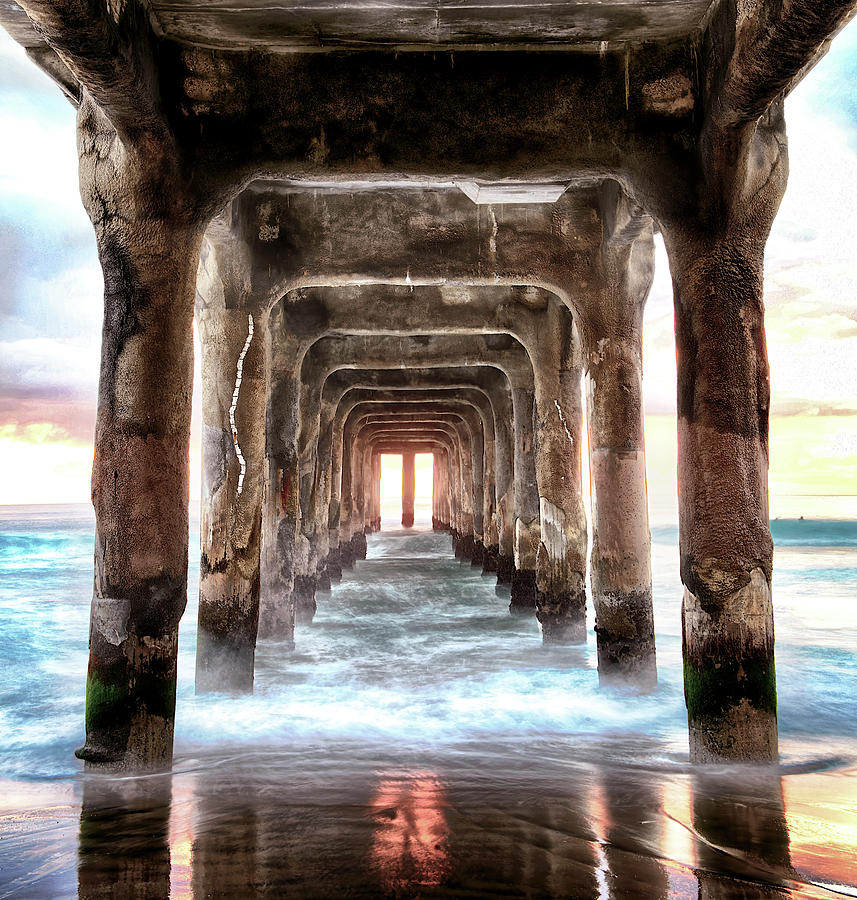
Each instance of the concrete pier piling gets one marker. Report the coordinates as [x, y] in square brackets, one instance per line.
[408, 489]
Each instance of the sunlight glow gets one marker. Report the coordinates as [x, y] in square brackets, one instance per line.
[391, 486]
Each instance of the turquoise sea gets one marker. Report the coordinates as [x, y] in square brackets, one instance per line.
[421, 742]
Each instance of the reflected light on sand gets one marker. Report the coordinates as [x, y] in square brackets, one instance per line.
[181, 839]
[409, 845]
[822, 823]
[678, 838]
[599, 824]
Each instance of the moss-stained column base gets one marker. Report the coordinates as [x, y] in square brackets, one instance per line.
[624, 628]
[455, 537]
[489, 559]
[561, 574]
[729, 675]
[346, 556]
[279, 624]
[334, 562]
[523, 602]
[352, 550]
[464, 548]
[323, 580]
[226, 634]
[562, 617]
[505, 568]
[224, 664]
[477, 556]
[131, 683]
[358, 545]
[523, 583]
[304, 598]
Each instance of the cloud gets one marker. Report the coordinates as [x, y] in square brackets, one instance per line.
[48, 383]
[47, 363]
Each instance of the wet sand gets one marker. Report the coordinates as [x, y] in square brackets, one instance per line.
[347, 822]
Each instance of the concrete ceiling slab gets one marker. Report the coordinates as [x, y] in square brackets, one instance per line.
[316, 24]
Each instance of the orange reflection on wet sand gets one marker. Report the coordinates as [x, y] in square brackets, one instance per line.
[821, 810]
[181, 839]
[409, 845]
[678, 838]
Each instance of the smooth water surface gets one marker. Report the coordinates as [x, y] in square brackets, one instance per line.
[421, 742]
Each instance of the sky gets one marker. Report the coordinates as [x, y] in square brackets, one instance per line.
[51, 305]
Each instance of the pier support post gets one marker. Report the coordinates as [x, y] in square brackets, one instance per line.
[527, 528]
[561, 558]
[408, 489]
[621, 545]
[148, 236]
[723, 403]
[504, 480]
[234, 395]
[281, 509]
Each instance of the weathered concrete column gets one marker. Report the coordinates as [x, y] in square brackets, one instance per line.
[234, 397]
[148, 243]
[376, 492]
[289, 570]
[446, 495]
[281, 513]
[436, 517]
[444, 516]
[621, 542]
[723, 401]
[504, 560]
[527, 525]
[352, 538]
[555, 350]
[454, 492]
[408, 489]
[364, 487]
[346, 510]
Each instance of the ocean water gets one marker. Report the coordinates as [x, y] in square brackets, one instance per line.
[421, 742]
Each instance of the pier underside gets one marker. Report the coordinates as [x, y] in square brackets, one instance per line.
[428, 228]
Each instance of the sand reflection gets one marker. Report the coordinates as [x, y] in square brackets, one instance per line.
[410, 840]
[123, 845]
[741, 830]
[316, 827]
[822, 815]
